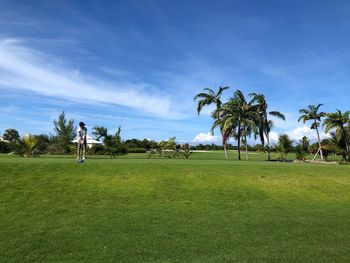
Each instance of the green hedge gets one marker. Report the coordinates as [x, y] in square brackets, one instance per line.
[137, 150]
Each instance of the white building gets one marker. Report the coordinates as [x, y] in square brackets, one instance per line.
[89, 140]
[3, 140]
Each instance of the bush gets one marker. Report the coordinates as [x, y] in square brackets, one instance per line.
[120, 150]
[300, 153]
[54, 149]
[137, 150]
[97, 149]
[4, 147]
[27, 146]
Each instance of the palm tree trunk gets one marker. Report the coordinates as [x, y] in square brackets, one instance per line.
[268, 147]
[319, 142]
[347, 149]
[347, 146]
[246, 147]
[224, 144]
[239, 141]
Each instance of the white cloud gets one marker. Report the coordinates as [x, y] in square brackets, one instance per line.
[206, 138]
[298, 133]
[273, 137]
[26, 69]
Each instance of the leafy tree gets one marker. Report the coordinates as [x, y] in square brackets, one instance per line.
[302, 149]
[4, 147]
[305, 143]
[100, 132]
[168, 148]
[117, 137]
[264, 124]
[65, 131]
[186, 150]
[284, 146]
[312, 114]
[109, 140]
[43, 141]
[338, 121]
[11, 135]
[209, 97]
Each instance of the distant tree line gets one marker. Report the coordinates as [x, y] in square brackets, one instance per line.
[236, 118]
[61, 142]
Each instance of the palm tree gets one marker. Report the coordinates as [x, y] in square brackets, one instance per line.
[338, 121]
[27, 146]
[312, 114]
[209, 97]
[284, 146]
[237, 118]
[264, 125]
[338, 143]
[249, 127]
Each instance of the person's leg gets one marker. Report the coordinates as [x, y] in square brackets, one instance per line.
[84, 151]
[78, 151]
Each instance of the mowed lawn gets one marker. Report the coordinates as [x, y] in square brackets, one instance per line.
[157, 210]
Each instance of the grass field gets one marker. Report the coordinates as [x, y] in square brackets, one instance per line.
[158, 210]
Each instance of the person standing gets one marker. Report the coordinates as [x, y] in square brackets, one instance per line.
[82, 142]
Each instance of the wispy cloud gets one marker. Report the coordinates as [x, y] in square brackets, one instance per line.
[27, 69]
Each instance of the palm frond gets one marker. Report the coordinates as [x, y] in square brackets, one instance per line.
[277, 114]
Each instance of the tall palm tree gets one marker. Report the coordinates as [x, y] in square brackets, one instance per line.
[338, 121]
[237, 115]
[209, 97]
[264, 125]
[249, 127]
[312, 114]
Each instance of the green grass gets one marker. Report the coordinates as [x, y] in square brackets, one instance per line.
[158, 210]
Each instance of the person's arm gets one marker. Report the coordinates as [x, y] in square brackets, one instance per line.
[80, 138]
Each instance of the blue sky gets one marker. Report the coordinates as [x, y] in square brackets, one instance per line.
[138, 64]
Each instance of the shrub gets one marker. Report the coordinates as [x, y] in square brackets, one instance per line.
[137, 150]
[120, 150]
[27, 146]
[300, 153]
[97, 149]
[4, 147]
[186, 150]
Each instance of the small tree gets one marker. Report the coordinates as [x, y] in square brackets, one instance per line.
[284, 146]
[43, 141]
[109, 140]
[300, 153]
[305, 143]
[27, 146]
[11, 135]
[65, 130]
[186, 150]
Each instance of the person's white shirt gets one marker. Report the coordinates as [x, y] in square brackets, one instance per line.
[81, 132]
